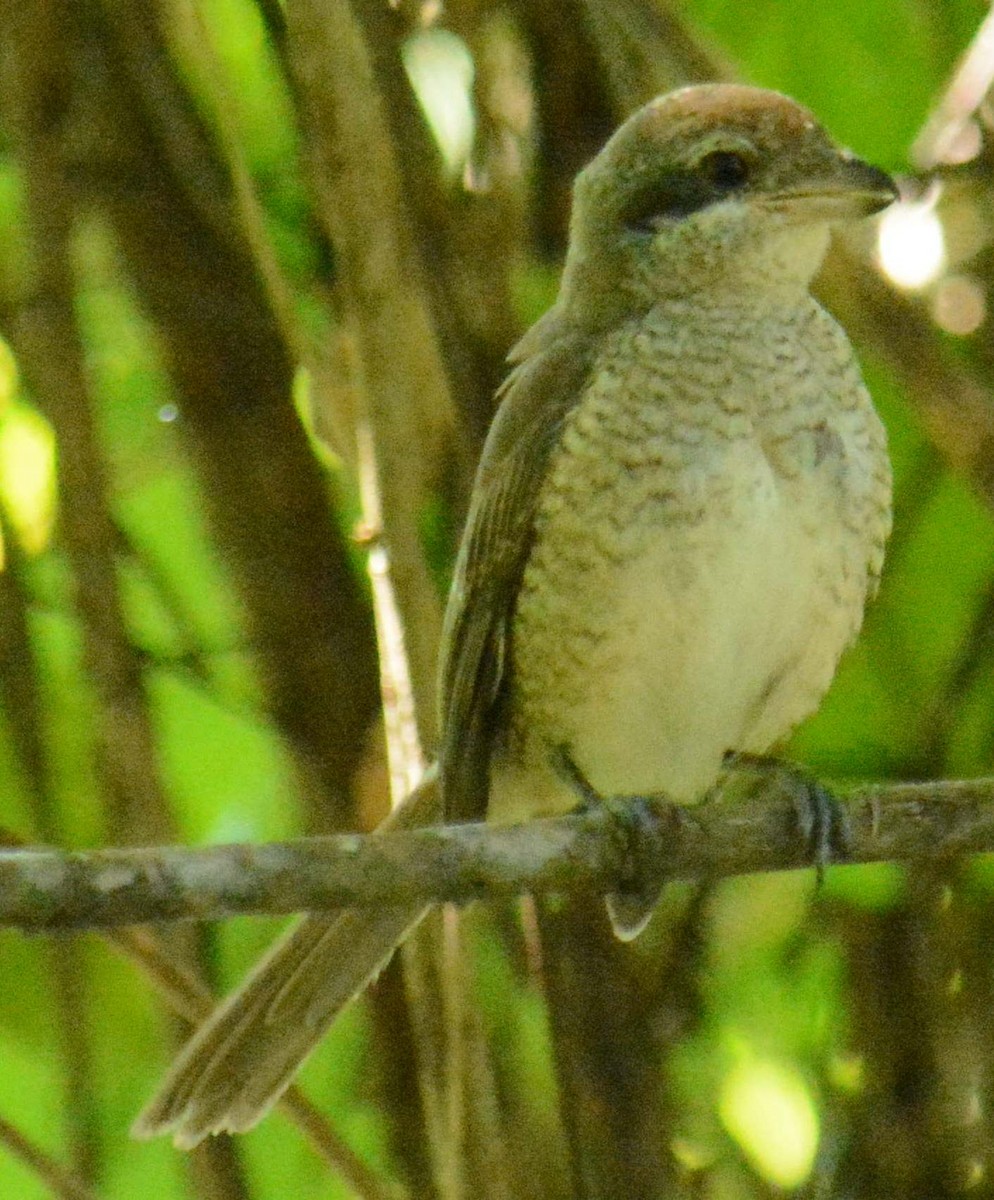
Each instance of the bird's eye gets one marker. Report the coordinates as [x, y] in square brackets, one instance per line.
[725, 170]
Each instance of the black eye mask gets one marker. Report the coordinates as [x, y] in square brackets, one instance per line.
[681, 192]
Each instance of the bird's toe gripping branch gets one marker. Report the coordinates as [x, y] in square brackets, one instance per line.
[637, 821]
[822, 820]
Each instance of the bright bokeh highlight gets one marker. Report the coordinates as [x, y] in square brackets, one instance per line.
[440, 68]
[769, 1111]
[959, 305]
[27, 464]
[27, 475]
[911, 244]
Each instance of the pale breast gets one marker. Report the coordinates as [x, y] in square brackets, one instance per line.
[706, 539]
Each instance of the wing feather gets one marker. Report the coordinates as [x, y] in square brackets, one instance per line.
[540, 391]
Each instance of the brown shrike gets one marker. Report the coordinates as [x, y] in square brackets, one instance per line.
[679, 516]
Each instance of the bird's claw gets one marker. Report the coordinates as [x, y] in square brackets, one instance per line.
[637, 820]
[822, 820]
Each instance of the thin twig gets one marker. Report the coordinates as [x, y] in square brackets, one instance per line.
[941, 141]
[189, 997]
[404, 754]
[425, 956]
[54, 1176]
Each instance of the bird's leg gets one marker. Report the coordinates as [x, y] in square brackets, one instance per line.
[822, 820]
[567, 770]
[637, 820]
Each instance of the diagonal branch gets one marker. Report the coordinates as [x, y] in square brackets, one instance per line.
[60, 1182]
[593, 851]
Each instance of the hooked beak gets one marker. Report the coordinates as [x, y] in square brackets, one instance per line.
[849, 189]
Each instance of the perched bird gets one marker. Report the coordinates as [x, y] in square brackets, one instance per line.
[678, 518]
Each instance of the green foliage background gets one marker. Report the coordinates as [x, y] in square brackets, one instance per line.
[912, 700]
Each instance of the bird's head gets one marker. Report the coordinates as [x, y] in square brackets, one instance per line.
[715, 186]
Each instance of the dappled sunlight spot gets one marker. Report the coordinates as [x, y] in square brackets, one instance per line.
[769, 1111]
[976, 1174]
[959, 305]
[911, 244]
[27, 474]
[440, 68]
[847, 1072]
[691, 1155]
[974, 1108]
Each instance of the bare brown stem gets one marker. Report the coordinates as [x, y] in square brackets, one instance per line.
[43, 889]
[402, 380]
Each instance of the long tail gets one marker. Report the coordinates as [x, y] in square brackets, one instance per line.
[242, 1058]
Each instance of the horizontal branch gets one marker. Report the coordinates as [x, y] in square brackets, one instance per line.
[42, 889]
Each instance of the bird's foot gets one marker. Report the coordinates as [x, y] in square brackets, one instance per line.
[822, 820]
[637, 820]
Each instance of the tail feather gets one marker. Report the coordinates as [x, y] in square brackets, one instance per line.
[241, 1060]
